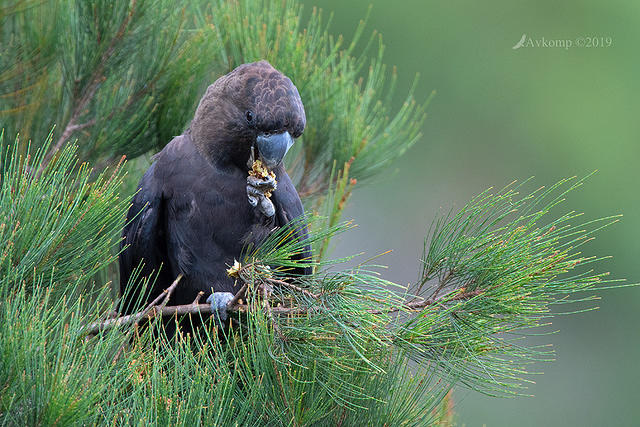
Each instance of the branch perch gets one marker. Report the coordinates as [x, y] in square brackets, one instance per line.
[98, 327]
[157, 308]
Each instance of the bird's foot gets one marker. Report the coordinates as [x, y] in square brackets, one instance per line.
[219, 301]
[259, 191]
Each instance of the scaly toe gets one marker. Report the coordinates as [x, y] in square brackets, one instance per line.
[219, 301]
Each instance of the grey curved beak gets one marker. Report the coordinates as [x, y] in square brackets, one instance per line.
[273, 147]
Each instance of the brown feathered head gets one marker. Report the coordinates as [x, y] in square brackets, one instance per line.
[254, 105]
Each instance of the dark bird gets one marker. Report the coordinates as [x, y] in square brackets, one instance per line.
[196, 208]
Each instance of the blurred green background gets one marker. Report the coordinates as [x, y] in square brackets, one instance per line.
[502, 114]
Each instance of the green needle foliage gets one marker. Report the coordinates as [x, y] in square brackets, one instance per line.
[497, 268]
[101, 70]
[125, 77]
[346, 95]
[340, 346]
[57, 223]
[490, 274]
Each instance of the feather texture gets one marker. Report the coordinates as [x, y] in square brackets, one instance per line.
[191, 215]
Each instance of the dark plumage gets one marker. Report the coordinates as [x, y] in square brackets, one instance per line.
[193, 214]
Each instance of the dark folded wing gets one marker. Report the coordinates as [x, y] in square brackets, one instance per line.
[143, 239]
[288, 208]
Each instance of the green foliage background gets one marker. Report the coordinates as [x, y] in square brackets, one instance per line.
[501, 114]
[123, 107]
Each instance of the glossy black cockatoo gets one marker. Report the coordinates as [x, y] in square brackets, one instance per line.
[196, 207]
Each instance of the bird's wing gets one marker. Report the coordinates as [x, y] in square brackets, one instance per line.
[287, 201]
[142, 238]
[289, 207]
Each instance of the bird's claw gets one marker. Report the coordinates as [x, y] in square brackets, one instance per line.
[258, 190]
[219, 301]
[268, 183]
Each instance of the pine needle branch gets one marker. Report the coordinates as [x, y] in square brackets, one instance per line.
[87, 93]
[159, 308]
[155, 306]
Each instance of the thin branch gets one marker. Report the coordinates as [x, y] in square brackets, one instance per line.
[236, 299]
[233, 306]
[89, 91]
[291, 286]
[441, 285]
[267, 306]
[98, 327]
[164, 296]
[197, 300]
[459, 297]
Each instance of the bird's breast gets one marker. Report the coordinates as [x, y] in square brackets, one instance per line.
[211, 226]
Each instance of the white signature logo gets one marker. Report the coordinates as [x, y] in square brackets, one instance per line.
[520, 42]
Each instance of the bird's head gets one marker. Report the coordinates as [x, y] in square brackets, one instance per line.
[254, 105]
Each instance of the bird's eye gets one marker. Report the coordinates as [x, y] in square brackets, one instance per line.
[249, 116]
